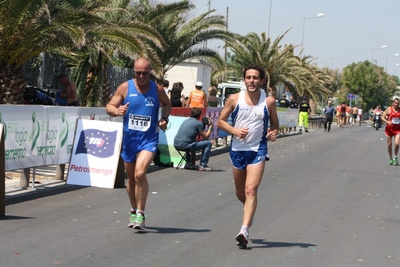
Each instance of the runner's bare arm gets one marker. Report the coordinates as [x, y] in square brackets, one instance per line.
[273, 119]
[226, 111]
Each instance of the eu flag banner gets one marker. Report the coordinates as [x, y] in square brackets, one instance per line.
[95, 153]
[97, 143]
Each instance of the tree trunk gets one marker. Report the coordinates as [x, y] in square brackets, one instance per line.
[12, 85]
[106, 87]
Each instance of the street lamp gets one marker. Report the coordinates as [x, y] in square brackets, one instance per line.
[395, 55]
[304, 23]
[269, 18]
[372, 56]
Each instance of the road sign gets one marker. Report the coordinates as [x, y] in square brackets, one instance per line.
[350, 96]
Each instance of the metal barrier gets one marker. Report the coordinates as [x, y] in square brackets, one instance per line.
[315, 122]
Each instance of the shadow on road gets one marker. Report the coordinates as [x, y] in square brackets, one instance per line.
[41, 193]
[169, 230]
[268, 244]
[12, 217]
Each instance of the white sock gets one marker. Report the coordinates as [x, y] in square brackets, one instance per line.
[140, 211]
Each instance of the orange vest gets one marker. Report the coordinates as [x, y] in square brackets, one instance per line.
[197, 98]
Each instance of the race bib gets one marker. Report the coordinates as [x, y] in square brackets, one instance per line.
[139, 122]
[396, 120]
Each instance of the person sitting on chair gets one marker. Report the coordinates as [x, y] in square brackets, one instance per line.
[185, 139]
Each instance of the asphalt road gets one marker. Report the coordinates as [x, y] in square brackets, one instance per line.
[326, 199]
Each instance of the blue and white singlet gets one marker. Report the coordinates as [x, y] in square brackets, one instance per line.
[256, 118]
[140, 126]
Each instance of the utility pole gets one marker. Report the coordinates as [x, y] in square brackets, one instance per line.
[227, 15]
[209, 8]
[269, 19]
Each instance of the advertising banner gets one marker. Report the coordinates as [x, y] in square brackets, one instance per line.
[95, 153]
[37, 135]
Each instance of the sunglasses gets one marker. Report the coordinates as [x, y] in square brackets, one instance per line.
[144, 73]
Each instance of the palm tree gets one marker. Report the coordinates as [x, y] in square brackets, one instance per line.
[114, 33]
[27, 28]
[184, 38]
[280, 63]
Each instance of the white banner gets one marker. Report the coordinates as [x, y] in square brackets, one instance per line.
[95, 153]
[288, 117]
[41, 135]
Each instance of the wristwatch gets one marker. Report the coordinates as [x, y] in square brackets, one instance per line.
[165, 119]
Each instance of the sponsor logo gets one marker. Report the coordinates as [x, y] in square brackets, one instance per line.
[150, 101]
[97, 143]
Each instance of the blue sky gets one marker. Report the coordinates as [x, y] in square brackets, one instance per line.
[345, 34]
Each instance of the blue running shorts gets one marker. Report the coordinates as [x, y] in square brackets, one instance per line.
[240, 159]
[129, 154]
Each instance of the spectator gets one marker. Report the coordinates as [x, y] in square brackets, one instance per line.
[283, 103]
[213, 100]
[304, 112]
[165, 84]
[328, 116]
[176, 100]
[180, 85]
[197, 98]
[186, 139]
[69, 93]
[185, 102]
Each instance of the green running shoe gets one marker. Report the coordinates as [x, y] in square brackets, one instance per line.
[395, 161]
[391, 162]
[139, 222]
[132, 220]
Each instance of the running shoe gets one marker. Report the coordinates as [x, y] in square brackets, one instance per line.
[391, 162]
[139, 222]
[395, 161]
[205, 168]
[242, 239]
[132, 220]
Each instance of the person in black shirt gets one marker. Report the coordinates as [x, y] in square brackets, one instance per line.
[176, 97]
[283, 102]
[304, 111]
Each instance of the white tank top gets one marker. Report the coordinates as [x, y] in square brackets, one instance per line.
[256, 118]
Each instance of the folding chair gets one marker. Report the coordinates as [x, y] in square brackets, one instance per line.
[183, 154]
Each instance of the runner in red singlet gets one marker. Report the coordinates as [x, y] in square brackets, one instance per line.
[391, 117]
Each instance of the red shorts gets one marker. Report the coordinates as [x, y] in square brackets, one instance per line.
[392, 131]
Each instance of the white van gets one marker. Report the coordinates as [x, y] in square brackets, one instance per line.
[228, 88]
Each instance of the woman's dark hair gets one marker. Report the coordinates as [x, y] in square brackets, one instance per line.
[213, 91]
[178, 84]
[176, 92]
